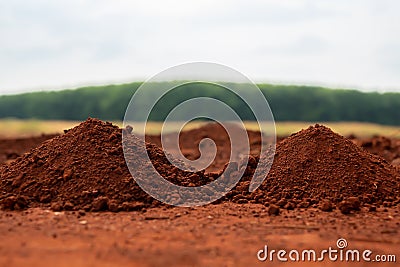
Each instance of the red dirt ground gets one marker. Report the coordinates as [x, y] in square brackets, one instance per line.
[224, 234]
[11, 149]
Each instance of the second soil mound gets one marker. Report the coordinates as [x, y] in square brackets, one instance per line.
[317, 164]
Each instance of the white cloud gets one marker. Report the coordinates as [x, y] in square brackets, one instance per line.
[57, 44]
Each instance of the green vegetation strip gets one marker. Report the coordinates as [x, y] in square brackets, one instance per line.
[288, 103]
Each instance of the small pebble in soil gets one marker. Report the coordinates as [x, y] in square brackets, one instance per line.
[273, 209]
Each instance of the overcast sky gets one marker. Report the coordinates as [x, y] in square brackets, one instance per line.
[49, 44]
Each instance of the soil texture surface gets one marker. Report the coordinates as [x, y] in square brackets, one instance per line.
[70, 200]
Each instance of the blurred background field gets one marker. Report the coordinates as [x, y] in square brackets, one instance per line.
[287, 102]
[13, 128]
[363, 114]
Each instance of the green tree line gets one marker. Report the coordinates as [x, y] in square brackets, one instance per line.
[287, 102]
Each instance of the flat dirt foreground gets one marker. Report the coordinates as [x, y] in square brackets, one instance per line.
[226, 234]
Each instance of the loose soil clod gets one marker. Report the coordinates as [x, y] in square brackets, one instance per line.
[273, 210]
[326, 205]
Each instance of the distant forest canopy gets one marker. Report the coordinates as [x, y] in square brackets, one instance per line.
[287, 102]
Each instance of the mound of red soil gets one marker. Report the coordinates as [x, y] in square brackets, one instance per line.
[84, 169]
[317, 164]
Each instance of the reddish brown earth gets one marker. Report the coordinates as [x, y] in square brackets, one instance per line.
[83, 170]
[11, 149]
[189, 143]
[316, 165]
[226, 234]
[387, 148]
